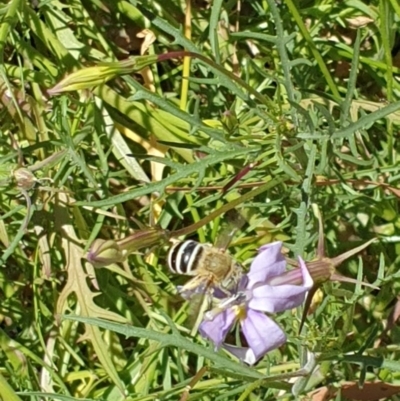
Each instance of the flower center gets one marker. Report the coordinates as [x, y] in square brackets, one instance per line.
[235, 302]
[240, 311]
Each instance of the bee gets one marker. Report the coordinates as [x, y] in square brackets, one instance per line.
[212, 269]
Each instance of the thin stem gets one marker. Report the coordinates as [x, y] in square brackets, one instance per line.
[229, 206]
[261, 98]
[186, 60]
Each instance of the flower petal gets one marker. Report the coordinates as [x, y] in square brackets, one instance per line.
[277, 298]
[262, 335]
[268, 263]
[245, 354]
[307, 279]
[217, 329]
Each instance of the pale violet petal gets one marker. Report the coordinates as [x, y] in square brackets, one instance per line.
[217, 329]
[262, 335]
[273, 299]
[277, 298]
[308, 282]
[242, 353]
[268, 263]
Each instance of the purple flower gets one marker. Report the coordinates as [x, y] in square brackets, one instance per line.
[265, 288]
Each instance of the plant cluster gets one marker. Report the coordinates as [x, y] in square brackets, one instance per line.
[127, 125]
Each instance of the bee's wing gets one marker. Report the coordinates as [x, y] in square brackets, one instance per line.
[234, 222]
[198, 306]
[198, 291]
[197, 285]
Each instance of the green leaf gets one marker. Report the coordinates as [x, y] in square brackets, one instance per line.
[172, 340]
[185, 171]
[366, 120]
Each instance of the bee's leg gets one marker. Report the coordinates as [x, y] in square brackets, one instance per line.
[225, 304]
[196, 285]
[210, 299]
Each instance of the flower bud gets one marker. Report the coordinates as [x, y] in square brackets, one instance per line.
[229, 121]
[323, 269]
[100, 74]
[24, 178]
[105, 252]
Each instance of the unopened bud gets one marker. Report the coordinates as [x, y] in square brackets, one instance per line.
[24, 178]
[321, 270]
[324, 269]
[101, 73]
[105, 252]
[229, 121]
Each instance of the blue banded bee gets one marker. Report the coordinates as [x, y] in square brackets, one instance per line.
[212, 268]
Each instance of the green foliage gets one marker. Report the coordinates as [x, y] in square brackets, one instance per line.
[292, 109]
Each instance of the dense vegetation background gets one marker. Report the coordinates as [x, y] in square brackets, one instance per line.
[286, 112]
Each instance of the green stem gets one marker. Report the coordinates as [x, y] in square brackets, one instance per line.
[384, 14]
[229, 206]
[261, 98]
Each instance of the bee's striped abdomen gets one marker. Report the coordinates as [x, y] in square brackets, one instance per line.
[183, 257]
